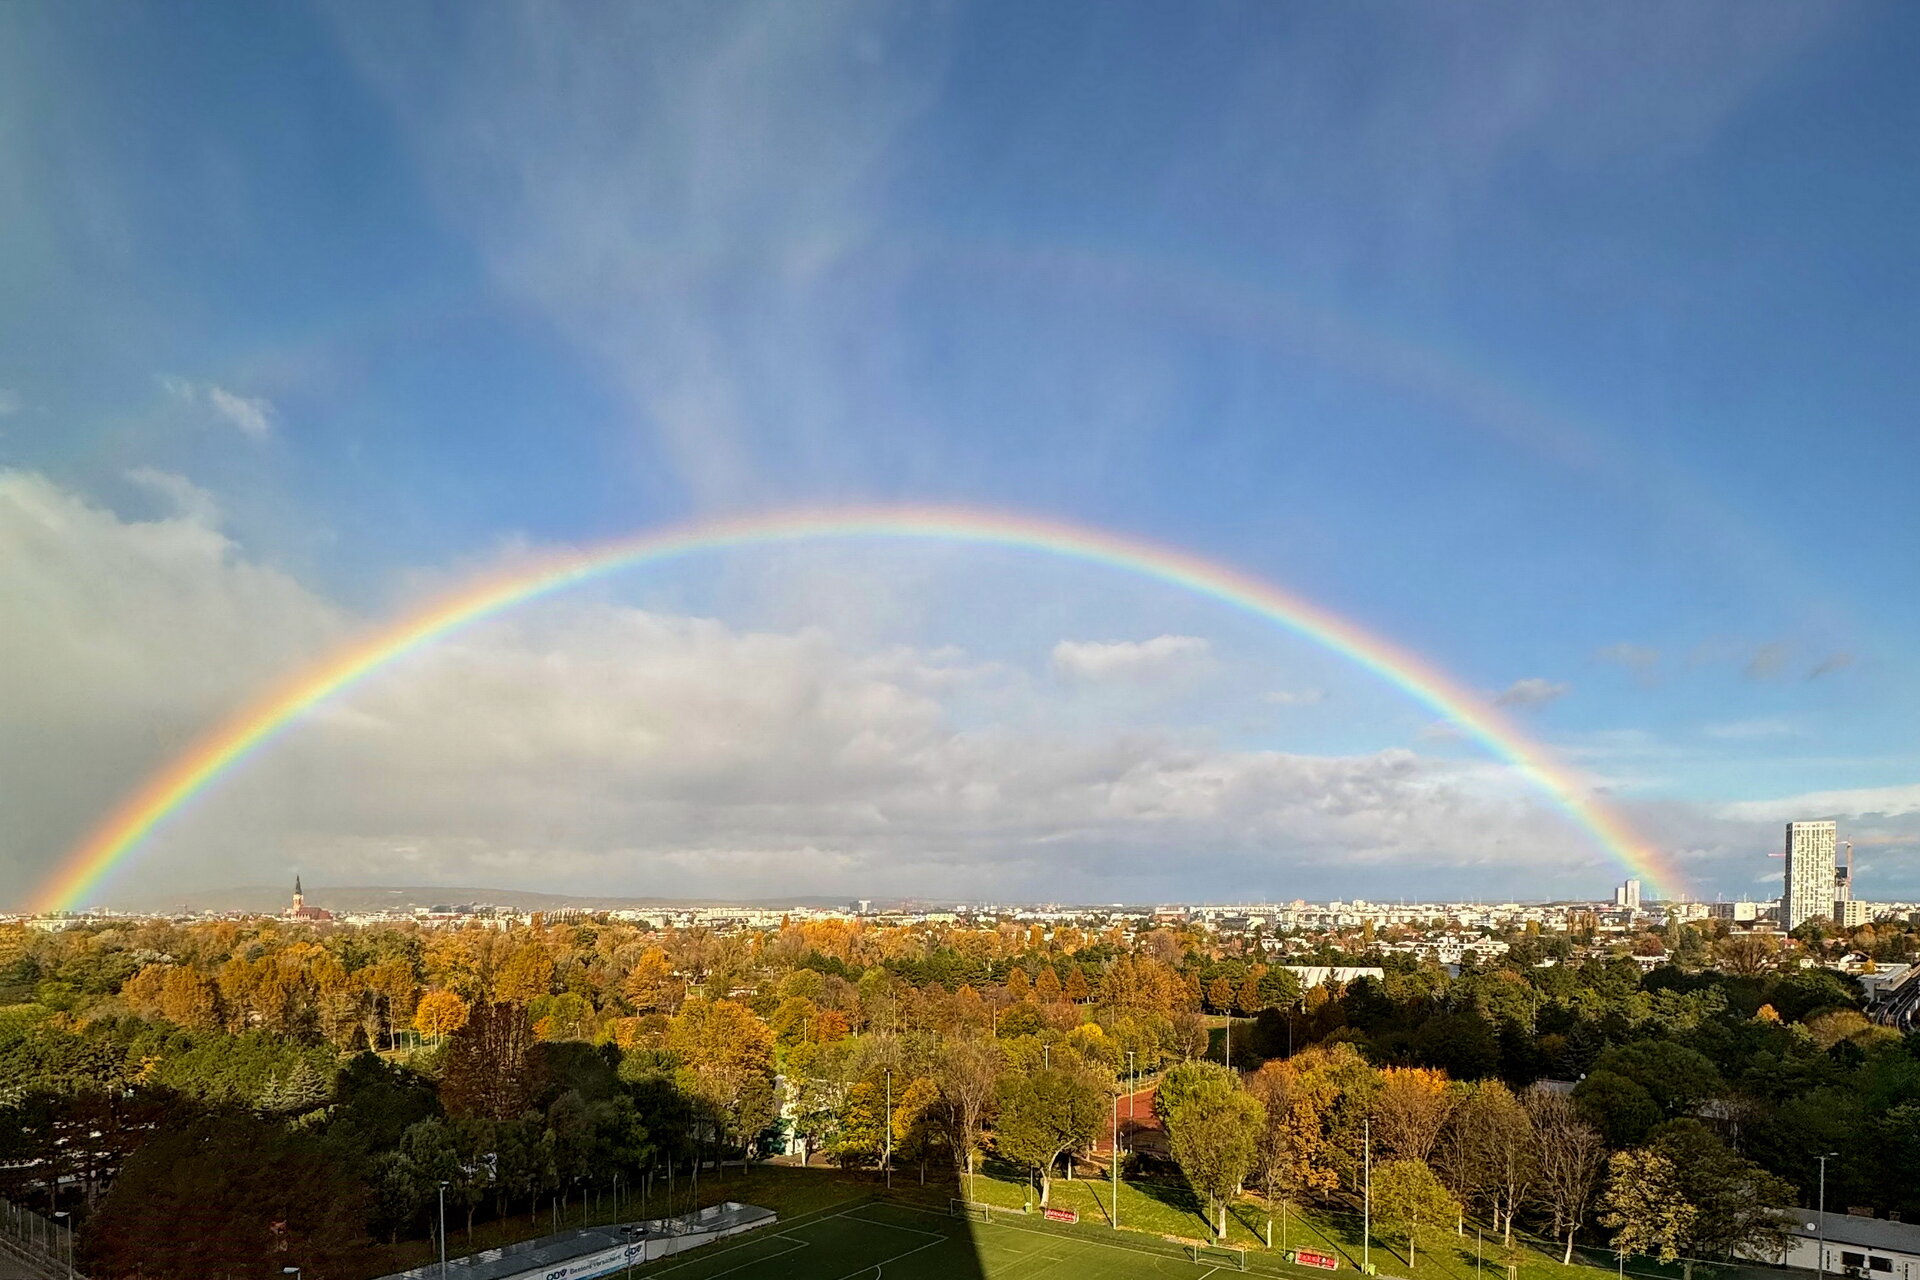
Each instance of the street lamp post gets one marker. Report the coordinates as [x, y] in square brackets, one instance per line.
[1366, 1210]
[68, 1251]
[443, 1227]
[291, 1271]
[889, 1130]
[1116, 1162]
[1820, 1263]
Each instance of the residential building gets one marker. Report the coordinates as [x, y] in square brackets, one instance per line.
[1809, 877]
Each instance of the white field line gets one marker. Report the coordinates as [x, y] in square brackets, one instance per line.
[798, 1245]
[892, 1226]
[1051, 1235]
[879, 1268]
[750, 1239]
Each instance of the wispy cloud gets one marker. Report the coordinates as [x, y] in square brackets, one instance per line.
[1638, 658]
[1295, 697]
[1891, 801]
[1531, 693]
[1830, 664]
[1767, 661]
[1128, 659]
[9, 402]
[253, 415]
[1746, 730]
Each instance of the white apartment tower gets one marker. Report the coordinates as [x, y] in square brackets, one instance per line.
[1627, 895]
[1809, 881]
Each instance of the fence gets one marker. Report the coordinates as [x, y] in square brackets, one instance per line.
[46, 1247]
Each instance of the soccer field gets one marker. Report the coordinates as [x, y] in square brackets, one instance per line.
[881, 1241]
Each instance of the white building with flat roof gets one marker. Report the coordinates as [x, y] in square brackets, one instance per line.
[1858, 1247]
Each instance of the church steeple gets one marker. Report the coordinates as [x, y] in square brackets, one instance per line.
[298, 897]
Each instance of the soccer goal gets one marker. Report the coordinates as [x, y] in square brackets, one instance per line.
[1230, 1257]
[972, 1210]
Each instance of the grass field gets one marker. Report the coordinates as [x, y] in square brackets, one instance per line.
[837, 1226]
[884, 1240]
[881, 1239]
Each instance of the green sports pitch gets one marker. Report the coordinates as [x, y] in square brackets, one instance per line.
[880, 1240]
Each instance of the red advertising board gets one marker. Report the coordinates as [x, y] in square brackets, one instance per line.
[1308, 1258]
[1063, 1215]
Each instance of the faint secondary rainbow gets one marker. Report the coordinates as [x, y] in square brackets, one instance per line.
[232, 741]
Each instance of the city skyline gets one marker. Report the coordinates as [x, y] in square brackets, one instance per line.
[1450, 341]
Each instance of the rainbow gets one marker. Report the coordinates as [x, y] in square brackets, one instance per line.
[229, 743]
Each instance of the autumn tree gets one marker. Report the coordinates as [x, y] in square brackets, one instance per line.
[1409, 1110]
[394, 989]
[1643, 1205]
[967, 1075]
[1490, 1153]
[439, 1014]
[527, 973]
[1046, 988]
[916, 1123]
[650, 985]
[489, 1072]
[1570, 1154]
[726, 1055]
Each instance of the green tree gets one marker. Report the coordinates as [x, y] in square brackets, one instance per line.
[1621, 1108]
[1187, 1082]
[1045, 1115]
[219, 1195]
[1279, 988]
[1410, 1200]
[1735, 1201]
[1214, 1137]
[1677, 1078]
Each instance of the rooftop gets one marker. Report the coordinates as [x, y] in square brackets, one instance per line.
[1870, 1233]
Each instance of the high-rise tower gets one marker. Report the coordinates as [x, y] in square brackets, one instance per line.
[1809, 879]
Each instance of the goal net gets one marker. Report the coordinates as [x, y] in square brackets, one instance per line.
[1228, 1256]
[972, 1210]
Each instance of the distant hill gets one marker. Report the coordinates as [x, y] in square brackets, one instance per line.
[354, 898]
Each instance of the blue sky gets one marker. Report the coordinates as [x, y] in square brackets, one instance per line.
[1561, 345]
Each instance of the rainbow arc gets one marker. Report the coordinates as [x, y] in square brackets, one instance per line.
[224, 747]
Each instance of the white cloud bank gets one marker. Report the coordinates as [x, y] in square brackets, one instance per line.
[1135, 660]
[583, 744]
[593, 745]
